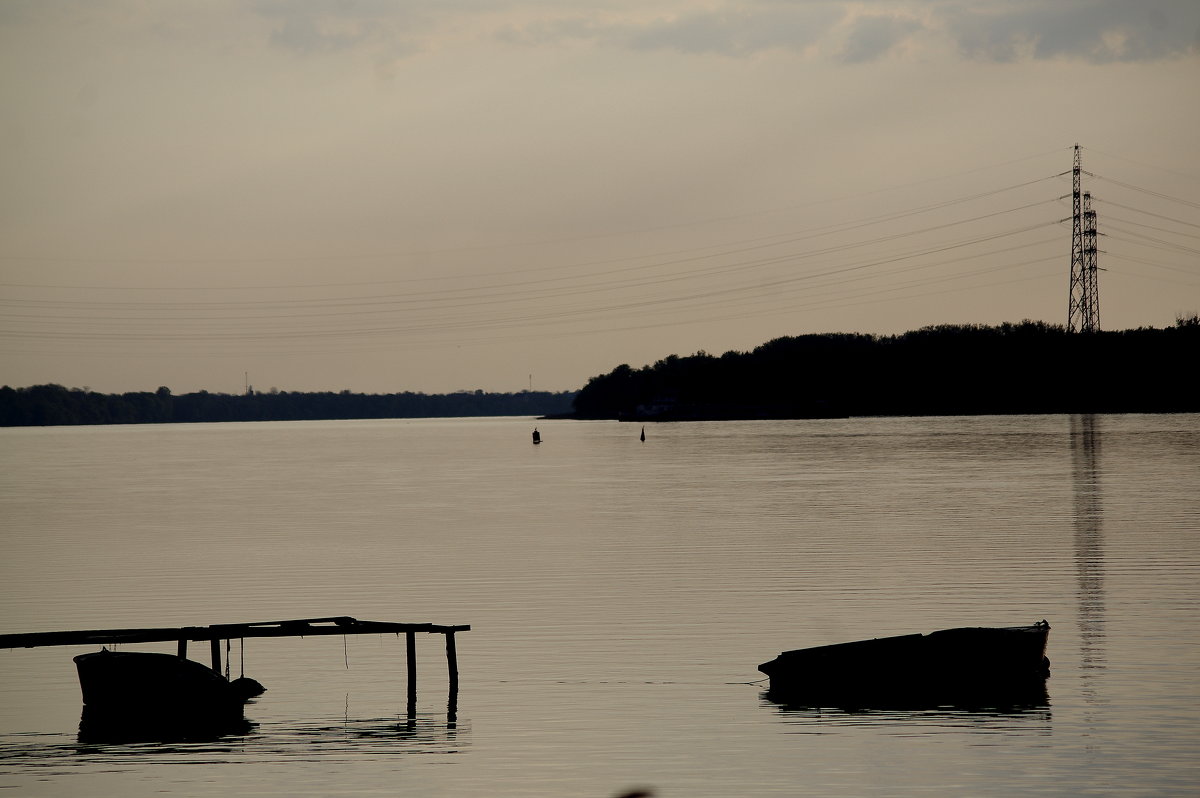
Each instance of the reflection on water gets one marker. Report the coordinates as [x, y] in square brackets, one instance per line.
[49, 753]
[422, 734]
[621, 594]
[1089, 546]
[307, 739]
[110, 727]
[934, 720]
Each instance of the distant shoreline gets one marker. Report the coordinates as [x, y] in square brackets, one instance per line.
[54, 405]
[1030, 368]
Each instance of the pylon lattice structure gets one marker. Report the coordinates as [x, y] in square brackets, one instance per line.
[1083, 310]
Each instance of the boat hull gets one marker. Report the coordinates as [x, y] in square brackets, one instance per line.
[133, 689]
[976, 666]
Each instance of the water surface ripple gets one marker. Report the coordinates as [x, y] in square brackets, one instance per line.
[621, 595]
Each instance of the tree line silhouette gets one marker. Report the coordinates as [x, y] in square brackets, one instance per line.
[948, 369]
[46, 405]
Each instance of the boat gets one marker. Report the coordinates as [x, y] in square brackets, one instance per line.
[139, 695]
[150, 684]
[962, 666]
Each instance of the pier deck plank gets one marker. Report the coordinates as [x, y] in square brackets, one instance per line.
[304, 627]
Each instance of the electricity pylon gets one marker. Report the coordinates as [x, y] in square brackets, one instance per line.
[1083, 307]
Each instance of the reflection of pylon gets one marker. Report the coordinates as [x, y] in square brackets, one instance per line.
[1083, 308]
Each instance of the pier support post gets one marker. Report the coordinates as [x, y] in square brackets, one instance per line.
[452, 661]
[410, 639]
[182, 650]
[215, 647]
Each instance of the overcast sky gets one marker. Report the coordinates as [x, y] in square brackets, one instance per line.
[432, 195]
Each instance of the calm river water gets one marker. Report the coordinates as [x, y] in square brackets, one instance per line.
[621, 595]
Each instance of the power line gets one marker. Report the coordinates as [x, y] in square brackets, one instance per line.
[1157, 194]
[851, 262]
[1152, 227]
[1156, 243]
[1144, 165]
[733, 247]
[395, 254]
[1149, 213]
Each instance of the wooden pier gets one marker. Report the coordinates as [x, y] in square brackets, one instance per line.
[215, 634]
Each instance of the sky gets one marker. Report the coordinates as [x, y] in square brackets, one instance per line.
[421, 195]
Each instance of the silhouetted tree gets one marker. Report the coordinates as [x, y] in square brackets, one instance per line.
[54, 404]
[1028, 367]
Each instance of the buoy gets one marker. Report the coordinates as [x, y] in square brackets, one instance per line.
[643, 434]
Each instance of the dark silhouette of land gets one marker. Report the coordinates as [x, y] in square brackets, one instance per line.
[46, 405]
[948, 369]
[1030, 367]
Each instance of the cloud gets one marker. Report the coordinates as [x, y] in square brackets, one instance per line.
[1098, 31]
[737, 30]
[872, 37]
[841, 31]
[739, 33]
[307, 28]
